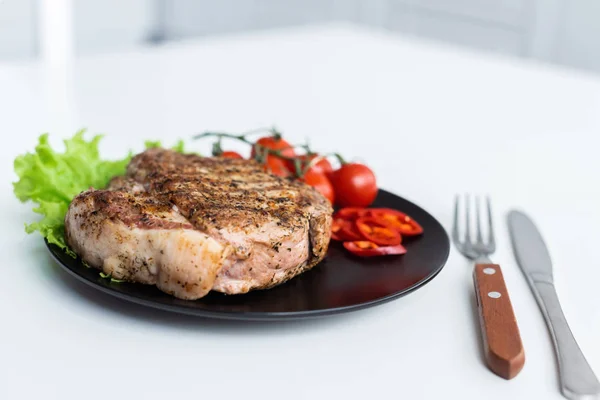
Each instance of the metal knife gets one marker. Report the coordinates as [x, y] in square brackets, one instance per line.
[577, 379]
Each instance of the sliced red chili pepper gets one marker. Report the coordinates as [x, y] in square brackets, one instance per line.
[397, 220]
[342, 230]
[351, 233]
[335, 236]
[365, 248]
[378, 232]
[351, 213]
[336, 229]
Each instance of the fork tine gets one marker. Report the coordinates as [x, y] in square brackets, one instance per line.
[492, 239]
[468, 218]
[455, 235]
[478, 220]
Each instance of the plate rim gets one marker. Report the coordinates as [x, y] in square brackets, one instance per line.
[260, 315]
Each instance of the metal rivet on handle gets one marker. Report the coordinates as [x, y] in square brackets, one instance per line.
[494, 295]
[489, 271]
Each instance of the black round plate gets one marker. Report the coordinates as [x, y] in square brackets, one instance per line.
[340, 283]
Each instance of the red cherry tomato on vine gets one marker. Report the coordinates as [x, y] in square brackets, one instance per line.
[323, 165]
[354, 185]
[273, 163]
[276, 166]
[320, 182]
[273, 143]
[231, 154]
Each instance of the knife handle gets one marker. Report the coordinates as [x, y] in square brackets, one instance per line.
[501, 337]
[577, 380]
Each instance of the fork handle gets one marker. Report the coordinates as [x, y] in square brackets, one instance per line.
[501, 338]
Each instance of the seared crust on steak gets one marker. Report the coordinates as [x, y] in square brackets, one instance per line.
[259, 229]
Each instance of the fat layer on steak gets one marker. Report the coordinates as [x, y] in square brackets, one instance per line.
[189, 225]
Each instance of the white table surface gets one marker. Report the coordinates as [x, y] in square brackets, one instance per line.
[430, 120]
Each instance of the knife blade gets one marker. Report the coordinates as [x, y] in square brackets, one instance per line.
[530, 250]
[577, 379]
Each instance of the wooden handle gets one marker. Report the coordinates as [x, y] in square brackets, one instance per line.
[501, 338]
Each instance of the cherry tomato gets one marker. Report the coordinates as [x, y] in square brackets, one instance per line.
[275, 144]
[378, 232]
[343, 230]
[397, 220]
[231, 154]
[351, 213]
[273, 163]
[354, 185]
[323, 165]
[276, 166]
[364, 248]
[320, 182]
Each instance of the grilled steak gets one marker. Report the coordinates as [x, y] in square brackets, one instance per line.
[190, 225]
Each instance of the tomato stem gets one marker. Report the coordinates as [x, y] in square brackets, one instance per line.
[258, 130]
[217, 150]
[276, 134]
[298, 168]
[341, 159]
[338, 156]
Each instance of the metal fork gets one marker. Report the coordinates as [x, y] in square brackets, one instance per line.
[502, 344]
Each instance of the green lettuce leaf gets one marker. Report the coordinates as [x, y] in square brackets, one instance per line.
[52, 179]
[179, 145]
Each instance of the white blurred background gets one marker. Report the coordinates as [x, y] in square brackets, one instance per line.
[560, 32]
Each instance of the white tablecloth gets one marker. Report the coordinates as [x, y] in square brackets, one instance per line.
[431, 121]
